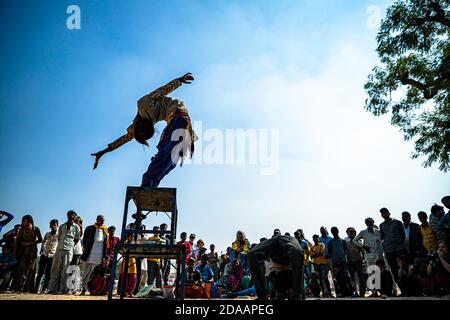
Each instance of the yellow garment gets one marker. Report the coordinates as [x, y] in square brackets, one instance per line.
[132, 269]
[429, 238]
[235, 245]
[157, 239]
[319, 248]
[105, 230]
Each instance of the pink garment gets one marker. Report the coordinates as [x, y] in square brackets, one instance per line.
[234, 281]
[130, 284]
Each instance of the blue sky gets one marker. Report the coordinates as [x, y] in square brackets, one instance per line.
[295, 66]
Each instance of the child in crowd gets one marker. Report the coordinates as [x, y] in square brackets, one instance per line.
[131, 280]
[387, 281]
[314, 284]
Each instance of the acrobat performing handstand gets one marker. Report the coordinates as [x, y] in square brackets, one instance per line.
[152, 108]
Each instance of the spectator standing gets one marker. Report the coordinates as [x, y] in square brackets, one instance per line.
[437, 212]
[78, 248]
[320, 265]
[153, 264]
[48, 249]
[356, 261]
[129, 284]
[325, 239]
[26, 253]
[68, 237]
[338, 251]
[413, 236]
[305, 245]
[213, 261]
[95, 245]
[428, 235]
[393, 237]
[187, 246]
[165, 264]
[193, 244]
[372, 243]
[113, 243]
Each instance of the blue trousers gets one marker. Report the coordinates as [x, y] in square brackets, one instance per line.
[162, 163]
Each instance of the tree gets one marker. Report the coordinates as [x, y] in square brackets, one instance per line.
[414, 51]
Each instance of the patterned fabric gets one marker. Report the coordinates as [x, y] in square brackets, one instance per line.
[429, 238]
[157, 107]
[121, 141]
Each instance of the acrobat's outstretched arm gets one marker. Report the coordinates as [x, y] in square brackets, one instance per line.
[115, 144]
[171, 86]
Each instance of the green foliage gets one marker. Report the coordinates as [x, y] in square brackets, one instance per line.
[414, 50]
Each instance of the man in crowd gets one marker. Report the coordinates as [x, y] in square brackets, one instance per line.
[276, 233]
[48, 249]
[113, 243]
[325, 239]
[413, 237]
[306, 245]
[372, 243]
[68, 236]
[153, 264]
[95, 244]
[338, 251]
[165, 264]
[393, 237]
[320, 265]
[437, 212]
[356, 260]
[187, 244]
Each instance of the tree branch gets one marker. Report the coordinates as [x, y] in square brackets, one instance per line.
[427, 92]
[440, 14]
[439, 17]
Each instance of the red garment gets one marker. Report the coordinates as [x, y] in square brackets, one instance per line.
[113, 243]
[98, 286]
[188, 249]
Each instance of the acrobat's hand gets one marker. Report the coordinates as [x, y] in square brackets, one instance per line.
[97, 156]
[187, 78]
